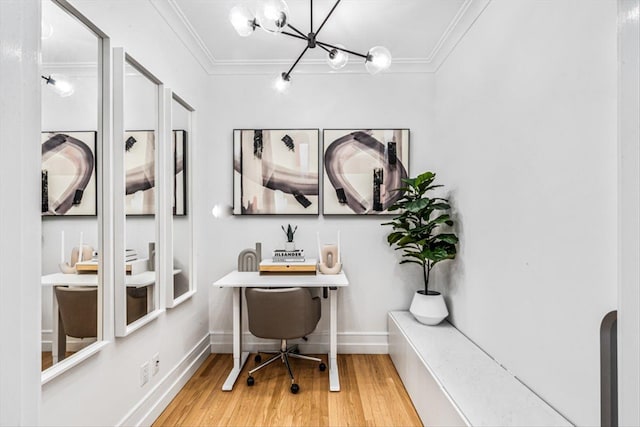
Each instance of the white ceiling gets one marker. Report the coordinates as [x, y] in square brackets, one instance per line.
[419, 33]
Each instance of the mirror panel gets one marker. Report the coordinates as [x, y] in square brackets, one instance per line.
[179, 170]
[138, 179]
[72, 141]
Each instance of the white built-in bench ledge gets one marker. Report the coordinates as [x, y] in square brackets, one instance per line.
[452, 382]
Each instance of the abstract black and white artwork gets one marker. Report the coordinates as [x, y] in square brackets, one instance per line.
[275, 171]
[179, 172]
[69, 173]
[362, 168]
[139, 163]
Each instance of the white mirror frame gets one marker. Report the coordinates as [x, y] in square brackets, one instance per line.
[104, 206]
[120, 59]
[170, 299]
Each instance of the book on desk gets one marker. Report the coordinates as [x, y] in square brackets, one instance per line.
[269, 266]
[131, 267]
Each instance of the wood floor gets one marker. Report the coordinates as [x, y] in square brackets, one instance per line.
[371, 394]
[47, 359]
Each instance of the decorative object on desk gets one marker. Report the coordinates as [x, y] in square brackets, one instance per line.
[152, 256]
[69, 173]
[360, 169]
[275, 171]
[289, 244]
[329, 261]
[249, 259]
[417, 231]
[77, 255]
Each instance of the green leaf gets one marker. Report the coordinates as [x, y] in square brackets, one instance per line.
[425, 177]
[405, 261]
[441, 206]
[444, 218]
[417, 205]
[449, 238]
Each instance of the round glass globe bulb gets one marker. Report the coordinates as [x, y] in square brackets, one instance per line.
[337, 58]
[273, 15]
[242, 20]
[282, 83]
[379, 59]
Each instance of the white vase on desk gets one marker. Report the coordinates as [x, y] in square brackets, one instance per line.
[429, 309]
[289, 246]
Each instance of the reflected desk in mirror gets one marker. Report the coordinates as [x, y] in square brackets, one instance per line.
[145, 280]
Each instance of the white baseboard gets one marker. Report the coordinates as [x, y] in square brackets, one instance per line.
[149, 408]
[348, 342]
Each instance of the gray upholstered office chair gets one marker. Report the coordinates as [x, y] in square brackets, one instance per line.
[78, 311]
[284, 314]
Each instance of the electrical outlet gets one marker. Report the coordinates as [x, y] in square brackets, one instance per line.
[144, 373]
[155, 364]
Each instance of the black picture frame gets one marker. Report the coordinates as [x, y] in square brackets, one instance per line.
[361, 167]
[276, 171]
[180, 174]
[69, 173]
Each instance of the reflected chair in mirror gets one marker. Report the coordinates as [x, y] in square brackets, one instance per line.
[78, 311]
[283, 314]
[136, 304]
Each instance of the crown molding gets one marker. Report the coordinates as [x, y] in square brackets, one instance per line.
[466, 16]
[183, 29]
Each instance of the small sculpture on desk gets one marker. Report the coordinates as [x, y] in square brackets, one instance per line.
[249, 259]
[76, 256]
[329, 261]
[289, 245]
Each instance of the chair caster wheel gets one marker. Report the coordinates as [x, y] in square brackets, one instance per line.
[323, 367]
[295, 388]
[258, 358]
[250, 381]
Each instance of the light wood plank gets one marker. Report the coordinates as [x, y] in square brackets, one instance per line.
[371, 394]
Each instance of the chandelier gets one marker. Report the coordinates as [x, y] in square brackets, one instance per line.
[273, 17]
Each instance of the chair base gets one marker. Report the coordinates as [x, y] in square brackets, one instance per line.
[284, 354]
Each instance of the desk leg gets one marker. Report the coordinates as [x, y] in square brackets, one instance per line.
[239, 357]
[55, 325]
[334, 379]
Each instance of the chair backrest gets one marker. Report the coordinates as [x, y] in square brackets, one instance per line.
[282, 313]
[78, 311]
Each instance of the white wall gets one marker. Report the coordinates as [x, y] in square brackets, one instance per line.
[19, 212]
[104, 390]
[525, 141]
[324, 101]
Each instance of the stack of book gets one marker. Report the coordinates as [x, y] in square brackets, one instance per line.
[281, 255]
[130, 255]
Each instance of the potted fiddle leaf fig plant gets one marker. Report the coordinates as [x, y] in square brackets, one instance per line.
[419, 231]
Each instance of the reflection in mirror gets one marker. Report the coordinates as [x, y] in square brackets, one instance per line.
[141, 103]
[71, 142]
[179, 165]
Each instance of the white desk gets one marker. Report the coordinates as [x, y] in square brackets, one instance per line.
[238, 280]
[142, 280]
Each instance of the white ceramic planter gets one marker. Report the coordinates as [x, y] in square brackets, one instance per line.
[290, 246]
[429, 309]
